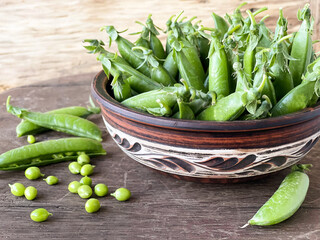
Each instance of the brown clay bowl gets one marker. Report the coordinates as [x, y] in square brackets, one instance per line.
[208, 151]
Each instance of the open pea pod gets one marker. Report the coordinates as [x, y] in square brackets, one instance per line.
[49, 152]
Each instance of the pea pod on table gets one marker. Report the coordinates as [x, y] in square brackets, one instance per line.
[28, 128]
[286, 200]
[48, 152]
[59, 122]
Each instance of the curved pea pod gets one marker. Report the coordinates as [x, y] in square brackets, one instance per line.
[188, 62]
[220, 24]
[158, 72]
[295, 100]
[218, 68]
[28, 128]
[155, 43]
[150, 100]
[121, 89]
[49, 152]
[125, 49]
[227, 108]
[185, 112]
[170, 65]
[59, 122]
[302, 46]
[286, 200]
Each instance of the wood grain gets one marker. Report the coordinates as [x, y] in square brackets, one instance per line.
[161, 207]
[41, 40]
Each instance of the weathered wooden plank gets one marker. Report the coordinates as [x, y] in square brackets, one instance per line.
[161, 207]
[41, 40]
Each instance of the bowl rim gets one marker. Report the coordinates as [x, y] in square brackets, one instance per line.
[99, 92]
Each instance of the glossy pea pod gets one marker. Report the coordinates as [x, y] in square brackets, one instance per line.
[220, 24]
[249, 54]
[28, 128]
[125, 49]
[171, 66]
[302, 46]
[219, 72]
[49, 152]
[158, 72]
[188, 61]
[59, 122]
[260, 70]
[158, 102]
[286, 200]
[155, 43]
[112, 62]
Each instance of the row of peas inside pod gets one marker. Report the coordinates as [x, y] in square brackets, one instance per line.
[237, 68]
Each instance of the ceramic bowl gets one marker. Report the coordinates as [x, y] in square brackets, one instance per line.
[208, 151]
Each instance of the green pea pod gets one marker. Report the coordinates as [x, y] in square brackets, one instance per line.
[295, 100]
[220, 24]
[188, 62]
[49, 152]
[185, 112]
[141, 42]
[59, 122]
[155, 43]
[226, 109]
[151, 99]
[286, 200]
[125, 49]
[158, 72]
[121, 89]
[28, 128]
[170, 65]
[249, 54]
[302, 46]
[218, 68]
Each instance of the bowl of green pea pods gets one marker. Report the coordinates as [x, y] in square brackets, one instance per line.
[228, 102]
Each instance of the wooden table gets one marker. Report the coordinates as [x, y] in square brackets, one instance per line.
[161, 207]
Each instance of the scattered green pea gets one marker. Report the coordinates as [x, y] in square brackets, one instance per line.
[73, 186]
[40, 215]
[86, 170]
[74, 167]
[83, 159]
[17, 189]
[85, 191]
[33, 173]
[51, 180]
[121, 194]
[101, 190]
[92, 205]
[30, 193]
[86, 181]
[31, 139]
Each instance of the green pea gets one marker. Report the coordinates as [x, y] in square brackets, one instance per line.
[121, 194]
[73, 186]
[86, 170]
[85, 191]
[92, 205]
[74, 167]
[86, 181]
[51, 180]
[30, 193]
[40, 215]
[101, 190]
[31, 139]
[33, 173]
[17, 189]
[83, 159]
